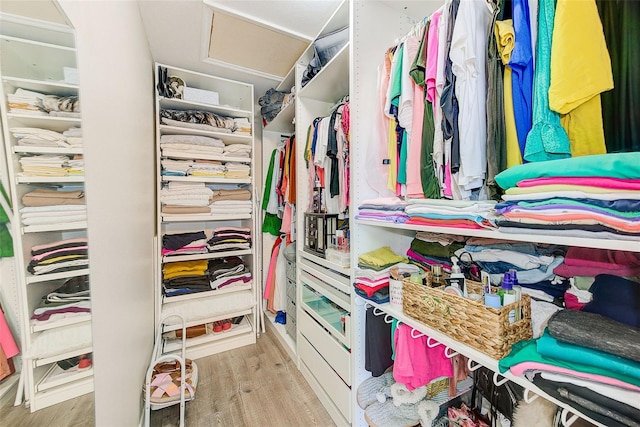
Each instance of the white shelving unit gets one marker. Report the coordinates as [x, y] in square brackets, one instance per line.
[33, 58]
[378, 24]
[324, 309]
[236, 101]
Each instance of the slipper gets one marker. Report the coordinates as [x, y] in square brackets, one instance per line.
[226, 324]
[388, 415]
[368, 389]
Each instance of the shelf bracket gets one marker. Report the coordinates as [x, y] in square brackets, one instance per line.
[431, 343]
[529, 396]
[501, 382]
[567, 422]
[472, 367]
[450, 355]
[413, 335]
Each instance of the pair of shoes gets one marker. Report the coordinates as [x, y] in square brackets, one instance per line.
[166, 379]
[221, 325]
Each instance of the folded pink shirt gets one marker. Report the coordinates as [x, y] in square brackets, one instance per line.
[593, 181]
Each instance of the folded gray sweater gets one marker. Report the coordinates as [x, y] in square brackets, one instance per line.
[597, 332]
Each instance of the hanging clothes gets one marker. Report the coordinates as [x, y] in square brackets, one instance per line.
[270, 282]
[580, 71]
[496, 132]
[547, 139]
[522, 71]
[271, 223]
[468, 58]
[620, 109]
[505, 36]
[7, 342]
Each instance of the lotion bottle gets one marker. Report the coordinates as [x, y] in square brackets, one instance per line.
[458, 276]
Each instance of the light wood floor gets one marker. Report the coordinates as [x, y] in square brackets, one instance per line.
[257, 385]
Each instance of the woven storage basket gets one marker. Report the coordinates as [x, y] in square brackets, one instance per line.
[471, 322]
[437, 387]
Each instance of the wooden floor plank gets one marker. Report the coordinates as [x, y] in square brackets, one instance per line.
[256, 385]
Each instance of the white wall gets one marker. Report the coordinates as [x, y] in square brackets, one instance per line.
[116, 80]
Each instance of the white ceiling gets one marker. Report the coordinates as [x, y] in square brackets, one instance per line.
[43, 10]
[178, 30]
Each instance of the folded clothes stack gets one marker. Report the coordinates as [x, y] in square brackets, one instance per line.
[194, 119]
[191, 145]
[53, 206]
[228, 271]
[229, 207]
[171, 167]
[62, 255]
[207, 169]
[185, 198]
[588, 361]
[35, 103]
[372, 274]
[236, 170]
[184, 243]
[44, 165]
[185, 277]
[243, 126]
[229, 239]
[36, 137]
[383, 209]
[588, 196]
[237, 150]
[69, 300]
[451, 213]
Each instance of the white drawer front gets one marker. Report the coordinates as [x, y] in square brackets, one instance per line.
[331, 350]
[333, 386]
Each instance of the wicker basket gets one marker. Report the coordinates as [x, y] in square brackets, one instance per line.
[471, 322]
[437, 387]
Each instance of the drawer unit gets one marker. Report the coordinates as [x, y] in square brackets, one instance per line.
[332, 351]
[291, 270]
[291, 290]
[334, 388]
[330, 308]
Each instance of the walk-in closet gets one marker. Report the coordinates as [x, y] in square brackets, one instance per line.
[378, 213]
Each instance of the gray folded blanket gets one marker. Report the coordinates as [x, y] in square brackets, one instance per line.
[597, 332]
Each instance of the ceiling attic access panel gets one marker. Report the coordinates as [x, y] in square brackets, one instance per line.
[253, 46]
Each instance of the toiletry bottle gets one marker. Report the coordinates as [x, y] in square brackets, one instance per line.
[517, 290]
[457, 276]
[436, 276]
[509, 295]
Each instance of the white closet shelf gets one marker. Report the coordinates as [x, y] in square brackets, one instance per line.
[46, 150]
[211, 255]
[39, 327]
[228, 138]
[45, 122]
[78, 225]
[323, 262]
[329, 84]
[283, 122]
[48, 87]
[471, 353]
[204, 217]
[196, 295]
[227, 315]
[56, 376]
[32, 278]
[186, 156]
[36, 43]
[212, 180]
[626, 245]
[62, 393]
[49, 179]
[244, 327]
[41, 361]
[223, 110]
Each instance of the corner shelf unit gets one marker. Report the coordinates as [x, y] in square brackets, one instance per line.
[372, 40]
[236, 101]
[34, 58]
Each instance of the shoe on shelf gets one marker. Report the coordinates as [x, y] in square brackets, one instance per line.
[217, 326]
[226, 324]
